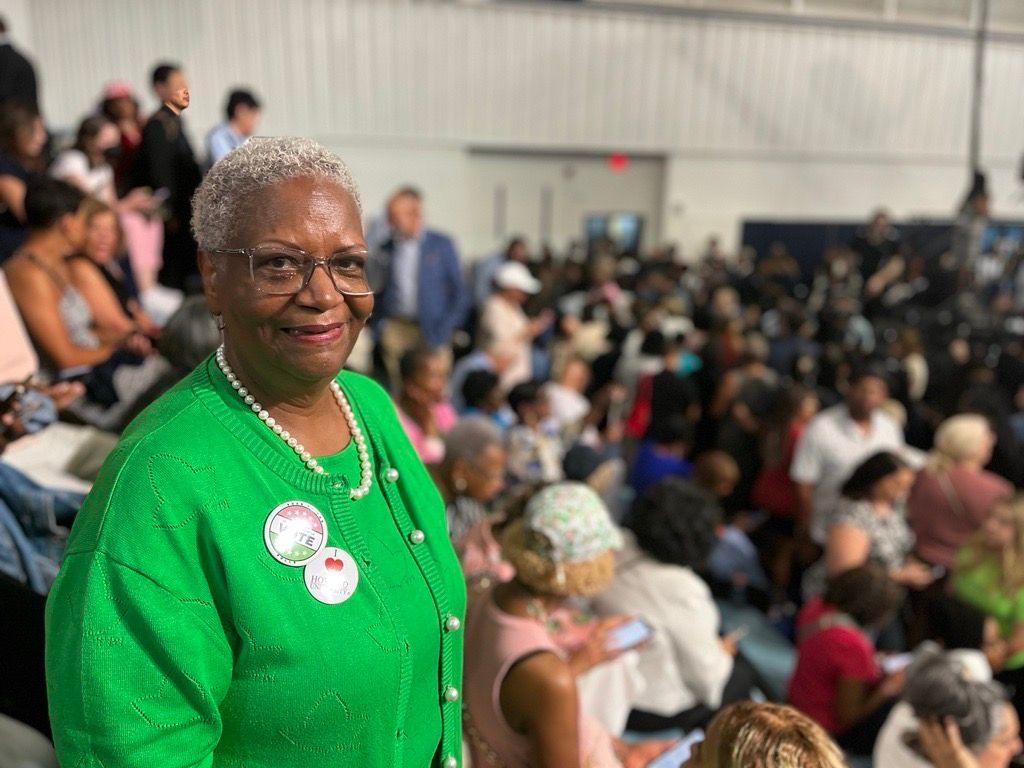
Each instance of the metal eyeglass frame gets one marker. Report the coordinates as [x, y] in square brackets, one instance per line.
[250, 252]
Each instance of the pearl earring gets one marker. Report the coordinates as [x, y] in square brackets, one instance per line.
[460, 484]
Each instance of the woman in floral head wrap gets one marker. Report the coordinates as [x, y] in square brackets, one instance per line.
[521, 705]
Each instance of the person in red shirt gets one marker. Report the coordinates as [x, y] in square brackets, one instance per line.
[837, 680]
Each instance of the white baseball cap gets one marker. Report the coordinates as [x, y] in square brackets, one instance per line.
[512, 274]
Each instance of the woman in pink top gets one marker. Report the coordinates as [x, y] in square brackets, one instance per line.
[425, 414]
[954, 494]
[521, 703]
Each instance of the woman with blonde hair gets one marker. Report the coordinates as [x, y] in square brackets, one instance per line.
[954, 494]
[103, 275]
[989, 574]
[752, 735]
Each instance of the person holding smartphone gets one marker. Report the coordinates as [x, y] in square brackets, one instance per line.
[690, 671]
[521, 697]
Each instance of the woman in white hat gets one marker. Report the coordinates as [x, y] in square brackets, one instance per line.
[504, 323]
[521, 700]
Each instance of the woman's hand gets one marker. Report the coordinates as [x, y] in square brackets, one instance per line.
[596, 650]
[914, 574]
[139, 199]
[541, 323]
[892, 685]
[944, 746]
[63, 393]
[138, 344]
[730, 643]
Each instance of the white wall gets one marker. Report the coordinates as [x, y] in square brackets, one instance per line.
[706, 197]
[574, 186]
[760, 117]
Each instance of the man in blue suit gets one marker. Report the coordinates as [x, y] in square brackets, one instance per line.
[421, 295]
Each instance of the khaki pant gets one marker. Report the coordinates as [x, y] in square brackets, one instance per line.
[396, 339]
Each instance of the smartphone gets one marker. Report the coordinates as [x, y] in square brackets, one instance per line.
[896, 663]
[679, 753]
[629, 635]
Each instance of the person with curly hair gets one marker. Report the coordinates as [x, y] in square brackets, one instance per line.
[837, 680]
[690, 670]
[753, 735]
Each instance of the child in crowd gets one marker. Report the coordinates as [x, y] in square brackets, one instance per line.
[664, 453]
[482, 396]
[534, 449]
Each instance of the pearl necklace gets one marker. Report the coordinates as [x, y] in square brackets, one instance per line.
[365, 467]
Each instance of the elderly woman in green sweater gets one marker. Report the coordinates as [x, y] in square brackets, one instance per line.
[262, 576]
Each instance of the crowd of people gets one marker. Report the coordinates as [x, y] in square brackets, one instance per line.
[632, 451]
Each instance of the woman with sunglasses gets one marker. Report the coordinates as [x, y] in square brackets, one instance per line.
[262, 573]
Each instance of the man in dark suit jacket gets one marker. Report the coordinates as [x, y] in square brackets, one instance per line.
[17, 75]
[421, 294]
[165, 160]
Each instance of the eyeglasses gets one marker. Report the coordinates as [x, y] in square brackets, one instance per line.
[278, 270]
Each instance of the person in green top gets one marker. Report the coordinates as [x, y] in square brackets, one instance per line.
[262, 575]
[989, 574]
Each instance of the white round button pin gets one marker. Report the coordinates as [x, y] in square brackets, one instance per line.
[331, 576]
[295, 532]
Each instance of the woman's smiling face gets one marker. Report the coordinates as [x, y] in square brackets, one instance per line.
[307, 335]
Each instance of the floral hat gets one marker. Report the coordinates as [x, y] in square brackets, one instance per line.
[574, 520]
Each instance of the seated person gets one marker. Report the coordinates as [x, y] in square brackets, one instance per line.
[482, 395]
[521, 701]
[956, 625]
[534, 449]
[956, 691]
[717, 473]
[690, 671]
[423, 411]
[664, 453]
[954, 493]
[989, 574]
[752, 735]
[837, 680]
[869, 523]
[61, 322]
[471, 475]
[103, 275]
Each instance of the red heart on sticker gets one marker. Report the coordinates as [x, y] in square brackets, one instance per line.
[333, 564]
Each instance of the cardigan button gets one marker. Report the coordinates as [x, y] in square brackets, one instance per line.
[451, 693]
[450, 762]
[417, 536]
[452, 624]
[391, 475]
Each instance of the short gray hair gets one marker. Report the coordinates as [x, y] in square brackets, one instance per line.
[223, 198]
[469, 438]
[938, 687]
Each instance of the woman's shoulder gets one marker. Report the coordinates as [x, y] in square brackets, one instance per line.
[165, 464]
[858, 514]
[69, 163]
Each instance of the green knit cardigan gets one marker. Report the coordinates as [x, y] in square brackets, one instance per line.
[174, 638]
